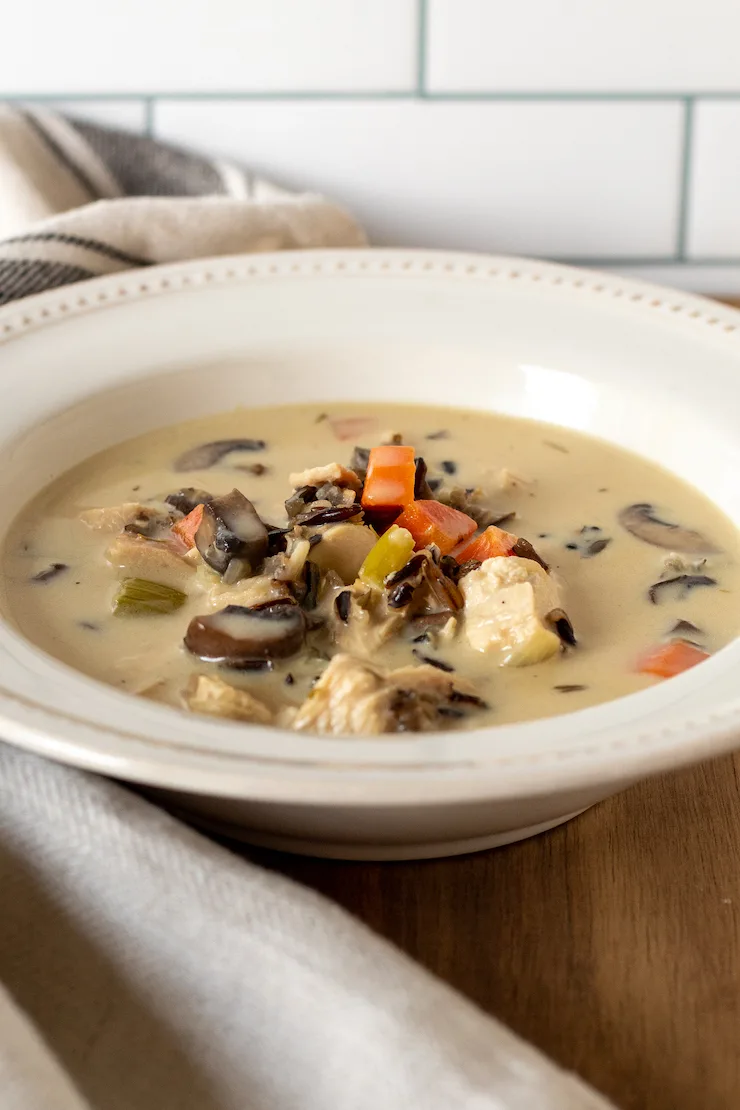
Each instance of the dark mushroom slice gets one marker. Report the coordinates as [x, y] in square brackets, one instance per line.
[523, 548]
[560, 622]
[335, 495]
[682, 584]
[640, 520]
[682, 629]
[238, 635]
[231, 529]
[186, 499]
[298, 500]
[597, 547]
[206, 455]
[359, 462]
[50, 572]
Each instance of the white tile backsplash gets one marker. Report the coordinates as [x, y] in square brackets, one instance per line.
[714, 183]
[550, 179]
[223, 45]
[551, 127]
[586, 45]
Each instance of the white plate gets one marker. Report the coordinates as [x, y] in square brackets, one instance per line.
[653, 370]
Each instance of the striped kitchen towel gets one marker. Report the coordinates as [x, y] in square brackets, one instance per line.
[78, 201]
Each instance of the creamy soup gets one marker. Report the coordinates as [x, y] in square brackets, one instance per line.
[300, 566]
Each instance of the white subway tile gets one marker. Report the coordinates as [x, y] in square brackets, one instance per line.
[589, 45]
[711, 280]
[714, 182]
[124, 115]
[222, 45]
[563, 179]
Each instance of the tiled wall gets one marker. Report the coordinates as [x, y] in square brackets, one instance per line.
[593, 130]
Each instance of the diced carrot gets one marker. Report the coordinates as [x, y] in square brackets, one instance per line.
[186, 528]
[432, 522]
[391, 474]
[667, 660]
[494, 541]
[352, 427]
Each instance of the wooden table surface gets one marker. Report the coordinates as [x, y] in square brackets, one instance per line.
[612, 943]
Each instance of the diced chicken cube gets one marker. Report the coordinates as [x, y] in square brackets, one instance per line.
[333, 473]
[507, 600]
[355, 698]
[211, 695]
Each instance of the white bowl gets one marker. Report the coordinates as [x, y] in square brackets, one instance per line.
[652, 370]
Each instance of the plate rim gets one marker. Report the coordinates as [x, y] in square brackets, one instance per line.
[650, 751]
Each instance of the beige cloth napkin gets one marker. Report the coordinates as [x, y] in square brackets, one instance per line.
[143, 967]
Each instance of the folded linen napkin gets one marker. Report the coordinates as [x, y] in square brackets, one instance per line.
[142, 967]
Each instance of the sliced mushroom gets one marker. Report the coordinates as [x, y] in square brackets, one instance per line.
[206, 455]
[185, 500]
[640, 520]
[359, 461]
[231, 529]
[683, 584]
[236, 635]
[298, 500]
[560, 622]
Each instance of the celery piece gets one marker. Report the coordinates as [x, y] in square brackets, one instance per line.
[138, 597]
[392, 551]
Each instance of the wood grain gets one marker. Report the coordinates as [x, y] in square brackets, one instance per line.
[612, 943]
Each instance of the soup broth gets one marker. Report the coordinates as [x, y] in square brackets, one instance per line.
[640, 568]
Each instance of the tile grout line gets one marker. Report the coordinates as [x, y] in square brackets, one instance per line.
[422, 18]
[510, 96]
[685, 183]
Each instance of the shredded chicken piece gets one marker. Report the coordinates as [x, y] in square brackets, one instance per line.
[370, 622]
[334, 473]
[156, 560]
[680, 564]
[356, 698]
[248, 592]
[207, 694]
[510, 480]
[114, 518]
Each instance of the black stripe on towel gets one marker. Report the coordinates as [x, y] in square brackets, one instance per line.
[145, 167]
[77, 241]
[22, 277]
